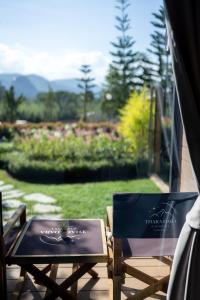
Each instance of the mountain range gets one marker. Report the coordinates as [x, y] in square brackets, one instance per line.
[30, 85]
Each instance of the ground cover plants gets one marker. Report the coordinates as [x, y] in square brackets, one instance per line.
[67, 152]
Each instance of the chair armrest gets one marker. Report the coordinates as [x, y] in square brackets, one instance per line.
[109, 211]
[19, 214]
[109, 239]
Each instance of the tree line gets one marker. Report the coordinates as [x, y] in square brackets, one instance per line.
[128, 72]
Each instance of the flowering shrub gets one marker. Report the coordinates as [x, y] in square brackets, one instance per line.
[73, 148]
[134, 123]
[9, 130]
[70, 152]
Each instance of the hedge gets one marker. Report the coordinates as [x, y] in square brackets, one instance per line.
[61, 172]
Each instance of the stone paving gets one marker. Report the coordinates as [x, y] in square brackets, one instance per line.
[46, 208]
[42, 205]
[5, 187]
[11, 203]
[38, 197]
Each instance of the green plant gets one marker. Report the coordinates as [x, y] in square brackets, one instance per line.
[68, 153]
[86, 85]
[73, 149]
[64, 227]
[134, 123]
[88, 200]
[11, 105]
[122, 71]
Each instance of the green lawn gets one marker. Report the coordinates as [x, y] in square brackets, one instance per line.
[87, 200]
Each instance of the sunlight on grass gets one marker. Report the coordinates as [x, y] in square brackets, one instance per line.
[87, 200]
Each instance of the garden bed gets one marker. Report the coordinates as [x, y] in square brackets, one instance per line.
[74, 175]
[70, 154]
[62, 172]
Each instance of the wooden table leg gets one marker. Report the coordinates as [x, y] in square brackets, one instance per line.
[44, 271]
[93, 273]
[73, 278]
[74, 286]
[56, 289]
[53, 275]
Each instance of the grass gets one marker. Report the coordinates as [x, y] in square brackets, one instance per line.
[87, 200]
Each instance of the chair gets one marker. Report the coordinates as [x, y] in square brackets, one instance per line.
[144, 225]
[10, 234]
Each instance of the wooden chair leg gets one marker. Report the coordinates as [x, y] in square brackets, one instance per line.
[117, 287]
[3, 281]
[22, 272]
[117, 269]
[110, 270]
[110, 289]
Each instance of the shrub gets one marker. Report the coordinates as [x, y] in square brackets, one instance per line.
[6, 133]
[68, 152]
[56, 171]
[134, 123]
[6, 147]
[73, 149]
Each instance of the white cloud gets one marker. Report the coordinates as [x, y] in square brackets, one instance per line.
[66, 65]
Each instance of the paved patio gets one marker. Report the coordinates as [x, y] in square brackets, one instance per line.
[91, 289]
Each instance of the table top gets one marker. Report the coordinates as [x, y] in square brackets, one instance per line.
[77, 240]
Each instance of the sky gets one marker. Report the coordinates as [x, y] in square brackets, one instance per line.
[53, 38]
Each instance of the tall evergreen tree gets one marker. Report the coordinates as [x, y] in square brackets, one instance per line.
[121, 74]
[86, 84]
[11, 105]
[145, 72]
[51, 108]
[161, 69]
[2, 92]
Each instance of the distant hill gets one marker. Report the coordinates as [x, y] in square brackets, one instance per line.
[31, 85]
[7, 79]
[24, 86]
[39, 82]
[65, 85]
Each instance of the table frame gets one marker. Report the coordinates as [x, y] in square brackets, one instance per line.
[82, 263]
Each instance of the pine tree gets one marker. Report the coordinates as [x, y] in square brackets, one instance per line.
[51, 108]
[2, 92]
[120, 78]
[145, 73]
[86, 84]
[11, 104]
[160, 65]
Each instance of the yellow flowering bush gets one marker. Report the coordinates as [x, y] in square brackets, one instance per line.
[134, 123]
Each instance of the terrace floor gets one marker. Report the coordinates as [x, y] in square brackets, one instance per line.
[88, 288]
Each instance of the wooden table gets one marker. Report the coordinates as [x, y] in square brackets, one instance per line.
[42, 242]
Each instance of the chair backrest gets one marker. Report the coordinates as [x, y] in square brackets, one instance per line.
[150, 224]
[139, 215]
